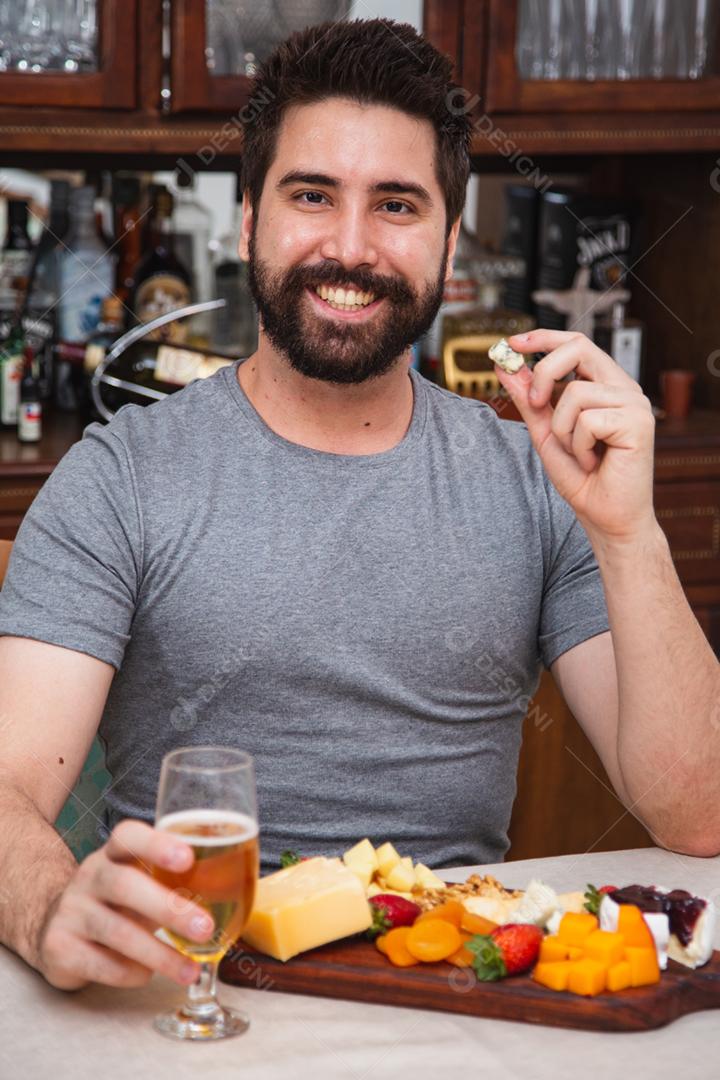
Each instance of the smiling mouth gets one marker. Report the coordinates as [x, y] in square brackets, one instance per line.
[345, 299]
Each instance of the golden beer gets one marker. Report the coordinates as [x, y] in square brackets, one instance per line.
[221, 879]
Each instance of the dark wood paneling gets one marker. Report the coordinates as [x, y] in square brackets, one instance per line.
[565, 802]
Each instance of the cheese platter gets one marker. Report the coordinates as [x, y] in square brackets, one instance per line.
[377, 928]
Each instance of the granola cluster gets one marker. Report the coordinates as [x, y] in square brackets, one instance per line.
[476, 885]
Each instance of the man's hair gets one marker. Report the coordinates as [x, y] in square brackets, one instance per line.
[373, 62]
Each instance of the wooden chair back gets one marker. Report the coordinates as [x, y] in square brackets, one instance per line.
[5, 549]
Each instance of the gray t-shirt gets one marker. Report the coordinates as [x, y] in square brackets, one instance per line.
[370, 628]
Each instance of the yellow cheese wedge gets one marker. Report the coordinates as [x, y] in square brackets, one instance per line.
[305, 906]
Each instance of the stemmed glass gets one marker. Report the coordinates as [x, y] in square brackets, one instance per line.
[207, 797]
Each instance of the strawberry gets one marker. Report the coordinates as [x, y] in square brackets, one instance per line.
[390, 912]
[508, 950]
[593, 897]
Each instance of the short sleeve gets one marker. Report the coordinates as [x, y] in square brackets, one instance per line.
[76, 565]
[573, 603]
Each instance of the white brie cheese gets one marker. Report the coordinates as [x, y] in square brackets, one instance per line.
[537, 905]
[700, 946]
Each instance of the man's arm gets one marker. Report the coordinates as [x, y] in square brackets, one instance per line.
[659, 734]
[667, 731]
[92, 922]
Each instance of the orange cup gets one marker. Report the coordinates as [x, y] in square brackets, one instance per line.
[677, 386]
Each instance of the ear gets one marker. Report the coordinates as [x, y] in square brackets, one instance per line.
[246, 228]
[452, 244]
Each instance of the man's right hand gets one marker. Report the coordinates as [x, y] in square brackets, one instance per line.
[101, 926]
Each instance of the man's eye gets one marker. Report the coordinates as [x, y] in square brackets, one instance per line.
[397, 206]
[313, 196]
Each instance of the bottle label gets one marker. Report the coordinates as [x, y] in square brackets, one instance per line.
[30, 421]
[82, 292]
[11, 368]
[93, 355]
[182, 366]
[155, 296]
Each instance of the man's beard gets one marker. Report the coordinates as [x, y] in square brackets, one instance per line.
[333, 350]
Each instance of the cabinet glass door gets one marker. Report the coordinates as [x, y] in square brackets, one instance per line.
[218, 44]
[577, 55]
[67, 53]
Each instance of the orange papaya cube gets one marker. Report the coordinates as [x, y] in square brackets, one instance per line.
[552, 950]
[619, 976]
[552, 973]
[575, 952]
[605, 946]
[586, 977]
[633, 927]
[644, 970]
[575, 927]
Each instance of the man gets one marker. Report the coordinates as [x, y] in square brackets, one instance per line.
[319, 557]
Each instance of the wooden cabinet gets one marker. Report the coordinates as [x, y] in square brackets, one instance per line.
[24, 467]
[517, 116]
[110, 86]
[158, 92]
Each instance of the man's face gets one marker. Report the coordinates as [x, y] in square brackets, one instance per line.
[350, 202]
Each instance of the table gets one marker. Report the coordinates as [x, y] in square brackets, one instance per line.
[102, 1032]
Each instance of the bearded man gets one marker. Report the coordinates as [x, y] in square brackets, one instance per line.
[277, 558]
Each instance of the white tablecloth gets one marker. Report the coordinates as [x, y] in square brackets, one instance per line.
[106, 1034]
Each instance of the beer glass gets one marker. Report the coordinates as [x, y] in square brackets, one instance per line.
[207, 798]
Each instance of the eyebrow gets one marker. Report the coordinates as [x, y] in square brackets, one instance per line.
[392, 187]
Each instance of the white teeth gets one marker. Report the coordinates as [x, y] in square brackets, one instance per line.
[344, 299]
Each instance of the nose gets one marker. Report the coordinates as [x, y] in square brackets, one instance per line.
[348, 239]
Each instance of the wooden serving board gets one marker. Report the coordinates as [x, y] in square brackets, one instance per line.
[354, 970]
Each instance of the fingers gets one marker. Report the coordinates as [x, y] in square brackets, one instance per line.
[567, 352]
[135, 890]
[133, 946]
[72, 964]
[134, 841]
[579, 395]
[623, 428]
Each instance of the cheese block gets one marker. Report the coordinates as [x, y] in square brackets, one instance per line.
[305, 906]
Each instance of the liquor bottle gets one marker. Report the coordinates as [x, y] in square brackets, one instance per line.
[235, 325]
[30, 410]
[147, 370]
[11, 363]
[128, 218]
[17, 249]
[86, 271]
[460, 294]
[192, 228]
[40, 317]
[109, 329]
[161, 282]
[622, 338]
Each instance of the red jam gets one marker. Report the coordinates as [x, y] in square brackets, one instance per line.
[682, 908]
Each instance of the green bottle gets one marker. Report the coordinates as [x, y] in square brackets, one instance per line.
[11, 369]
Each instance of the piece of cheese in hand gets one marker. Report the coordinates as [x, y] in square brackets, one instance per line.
[305, 906]
[501, 354]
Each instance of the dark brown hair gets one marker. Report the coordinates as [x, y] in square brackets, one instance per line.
[371, 61]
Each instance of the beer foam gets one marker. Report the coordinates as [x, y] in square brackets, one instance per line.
[246, 829]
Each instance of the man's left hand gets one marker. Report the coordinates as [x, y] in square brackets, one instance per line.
[597, 442]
